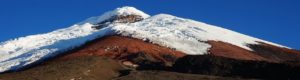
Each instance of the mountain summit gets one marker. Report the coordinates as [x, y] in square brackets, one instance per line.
[184, 36]
[121, 15]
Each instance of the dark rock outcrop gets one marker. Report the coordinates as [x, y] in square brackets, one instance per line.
[277, 54]
[261, 52]
[119, 19]
[165, 75]
[220, 66]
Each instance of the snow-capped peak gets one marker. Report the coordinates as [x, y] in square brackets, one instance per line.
[184, 35]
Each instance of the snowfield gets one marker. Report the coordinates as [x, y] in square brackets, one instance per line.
[184, 35]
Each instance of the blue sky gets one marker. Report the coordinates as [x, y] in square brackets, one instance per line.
[273, 20]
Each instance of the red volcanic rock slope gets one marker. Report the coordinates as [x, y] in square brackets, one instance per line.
[120, 47]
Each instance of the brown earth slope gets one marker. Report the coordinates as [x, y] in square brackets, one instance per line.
[81, 68]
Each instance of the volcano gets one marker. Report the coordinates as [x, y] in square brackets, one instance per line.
[127, 43]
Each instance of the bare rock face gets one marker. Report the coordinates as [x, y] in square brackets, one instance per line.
[119, 19]
[128, 19]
